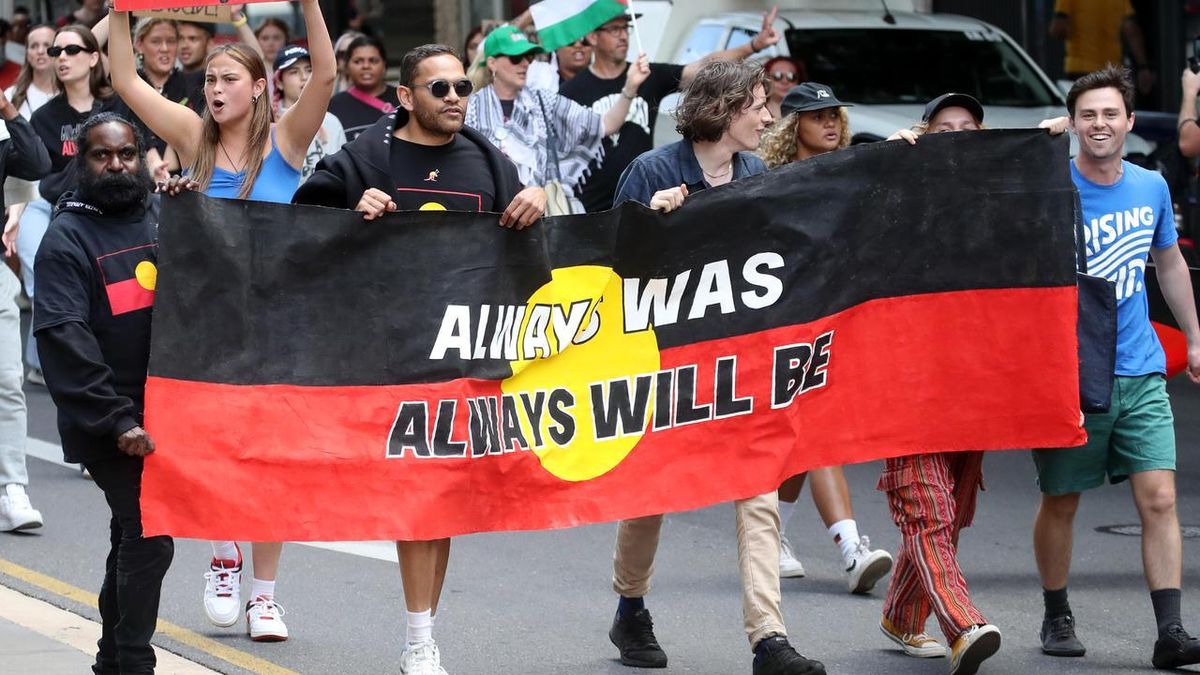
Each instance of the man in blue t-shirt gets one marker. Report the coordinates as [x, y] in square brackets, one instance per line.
[1127, 217]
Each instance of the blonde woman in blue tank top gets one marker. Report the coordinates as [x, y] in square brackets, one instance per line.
[235, 151]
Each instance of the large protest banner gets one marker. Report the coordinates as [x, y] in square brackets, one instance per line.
[318, 377]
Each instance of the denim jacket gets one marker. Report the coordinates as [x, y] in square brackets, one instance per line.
[672, 165]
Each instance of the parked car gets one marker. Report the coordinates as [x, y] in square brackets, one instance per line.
[887, 63]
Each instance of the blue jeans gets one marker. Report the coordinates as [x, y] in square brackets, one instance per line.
[34, 223]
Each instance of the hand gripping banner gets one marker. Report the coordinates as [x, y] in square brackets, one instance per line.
[318, 377]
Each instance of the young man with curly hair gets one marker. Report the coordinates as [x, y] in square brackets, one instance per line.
[721, 118]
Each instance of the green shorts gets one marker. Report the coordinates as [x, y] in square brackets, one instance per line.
[1136, 434]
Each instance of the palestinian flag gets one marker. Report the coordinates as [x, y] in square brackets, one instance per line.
[431, 374]
[562, 22]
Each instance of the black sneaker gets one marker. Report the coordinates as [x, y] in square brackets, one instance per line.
[774, 656]
[1058, 636]
[1176, 649]
[634, 636]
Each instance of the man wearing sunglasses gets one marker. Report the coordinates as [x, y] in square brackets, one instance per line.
[601, 84]
[423, 158]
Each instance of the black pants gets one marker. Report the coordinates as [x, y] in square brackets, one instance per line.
[133, 573]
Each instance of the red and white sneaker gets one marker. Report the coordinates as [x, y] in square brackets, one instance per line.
[223, 591]
[264, 620]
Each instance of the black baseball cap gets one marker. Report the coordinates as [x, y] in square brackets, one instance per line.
[953, 100]
[809, 96]
[287, 57]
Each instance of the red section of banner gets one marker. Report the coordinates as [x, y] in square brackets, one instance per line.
[953, 371]
[138, 5]
[128, 296]
[1174, 344]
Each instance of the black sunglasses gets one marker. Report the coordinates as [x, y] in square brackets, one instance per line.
[441, 88]
[779, 75]
[71, 50]
[518, 59]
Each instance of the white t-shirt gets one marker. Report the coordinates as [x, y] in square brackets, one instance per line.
[334, 139]
[34, 99]
[17, 191]
[543, 74]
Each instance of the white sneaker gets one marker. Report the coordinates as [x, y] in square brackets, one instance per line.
[422, 659]
[866, 567]
[16, 513]
[264, 621]
[789, 566]
[223, 591]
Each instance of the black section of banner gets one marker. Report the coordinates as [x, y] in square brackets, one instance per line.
[257, 293]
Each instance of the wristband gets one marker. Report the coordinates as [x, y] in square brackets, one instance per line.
[628, 96]
[240, 21]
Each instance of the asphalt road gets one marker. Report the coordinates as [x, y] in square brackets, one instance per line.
[541, 602]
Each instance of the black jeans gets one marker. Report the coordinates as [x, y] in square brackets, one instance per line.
[133, 573]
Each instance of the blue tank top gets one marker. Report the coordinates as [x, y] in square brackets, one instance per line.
[277, 180]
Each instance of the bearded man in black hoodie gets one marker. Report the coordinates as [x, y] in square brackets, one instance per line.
[422, 158]
[91, 316]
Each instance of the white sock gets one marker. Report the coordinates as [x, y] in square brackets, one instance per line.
[432, 620]
[786, 511]
[420, 627]
[14, 490]
[225, 550]
[266, 589]
[845, 535]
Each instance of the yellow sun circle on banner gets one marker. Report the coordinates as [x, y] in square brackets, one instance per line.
[146, 274]
[607, 354]
[432, 206]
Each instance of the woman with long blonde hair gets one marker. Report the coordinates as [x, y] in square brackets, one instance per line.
[35, 86]
[235, 151]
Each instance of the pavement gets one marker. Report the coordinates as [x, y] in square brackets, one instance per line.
[541, 602]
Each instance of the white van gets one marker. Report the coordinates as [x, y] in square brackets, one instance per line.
[889, 63]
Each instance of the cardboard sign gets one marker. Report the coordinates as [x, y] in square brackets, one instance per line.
[204, 14]
[148, 5]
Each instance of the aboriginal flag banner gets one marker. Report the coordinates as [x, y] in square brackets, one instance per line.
[315, 376]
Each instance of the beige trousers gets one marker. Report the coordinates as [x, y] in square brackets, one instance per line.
[758, 560]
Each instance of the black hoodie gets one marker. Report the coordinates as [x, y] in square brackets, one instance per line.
[91, 316]
[341, 178]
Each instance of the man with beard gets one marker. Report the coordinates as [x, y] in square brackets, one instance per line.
[721, 117]
[422, 158]
[96, 279]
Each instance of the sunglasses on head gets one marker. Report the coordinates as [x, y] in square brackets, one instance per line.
[441, 88]
[71, 50]
[779, 75]
[518, 59]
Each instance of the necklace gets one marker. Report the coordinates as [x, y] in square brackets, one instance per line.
[237, 169]
[728, 168]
